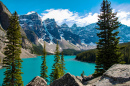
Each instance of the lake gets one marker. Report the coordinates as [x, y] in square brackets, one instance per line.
[31, 67]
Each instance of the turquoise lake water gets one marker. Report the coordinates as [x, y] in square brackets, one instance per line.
[31, 67]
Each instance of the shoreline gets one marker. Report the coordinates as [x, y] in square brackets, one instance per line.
[29, 57]
[83, 61]
[1, 66]
[33, 56]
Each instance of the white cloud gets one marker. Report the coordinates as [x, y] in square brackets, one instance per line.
[65, 16]
[124, 17]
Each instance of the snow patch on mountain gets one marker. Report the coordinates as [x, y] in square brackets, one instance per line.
[50, 36]
[30, 12]
[23, 19]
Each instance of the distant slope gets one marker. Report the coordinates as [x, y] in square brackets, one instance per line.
[87, 56]
[71, 52]
[90, 55]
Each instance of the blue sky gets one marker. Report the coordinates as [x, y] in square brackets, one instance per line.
[81, 12]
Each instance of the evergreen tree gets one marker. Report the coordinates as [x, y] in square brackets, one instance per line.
[108, 50]
[43, 65]
[12, 52]
[62, 64]
[82, 74]
[56, 72]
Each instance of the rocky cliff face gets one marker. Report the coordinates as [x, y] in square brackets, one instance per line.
[4, 16]
[2, 43]
[4, 23]
[32, 25]
[52, 29]
[49, 31]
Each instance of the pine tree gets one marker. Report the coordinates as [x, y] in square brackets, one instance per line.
[56, 72]
[108, 50]
[43, 65]
[62, 64]
[12, 52]
[82, 74]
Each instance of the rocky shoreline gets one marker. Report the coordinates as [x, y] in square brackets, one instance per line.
[117, 75]
[24, 54]
[1, 65]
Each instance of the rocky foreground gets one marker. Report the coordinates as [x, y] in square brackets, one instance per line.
[117, 75]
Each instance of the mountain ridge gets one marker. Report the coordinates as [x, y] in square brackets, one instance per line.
[82, 38]
[87, 34]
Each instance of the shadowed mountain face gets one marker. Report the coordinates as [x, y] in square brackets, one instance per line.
[4, 16]
[4, 23]
[48, 30]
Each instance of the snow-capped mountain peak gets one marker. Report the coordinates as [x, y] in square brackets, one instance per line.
[32, 12]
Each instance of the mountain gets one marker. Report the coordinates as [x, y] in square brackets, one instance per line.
[88, 34]
[4, 23]
[49, 31]
[124, 33]
[74, 37]
[34, 31]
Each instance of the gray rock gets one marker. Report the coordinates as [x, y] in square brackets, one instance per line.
[67, 80]
[37, 81]
[117, 74]
[79, 78]
[87, 78]
[0, 67]
[4, 16]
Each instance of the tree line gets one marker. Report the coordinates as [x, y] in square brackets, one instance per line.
[90, 55]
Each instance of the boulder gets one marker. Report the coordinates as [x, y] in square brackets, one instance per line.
[117, 74]
[37, 81]
[67, 80]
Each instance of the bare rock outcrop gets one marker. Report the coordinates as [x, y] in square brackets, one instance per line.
[79, 78]
[67, 80]
[37, 81]
[87, 78]
[26, 54]
[4, 16]
[118, 74]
